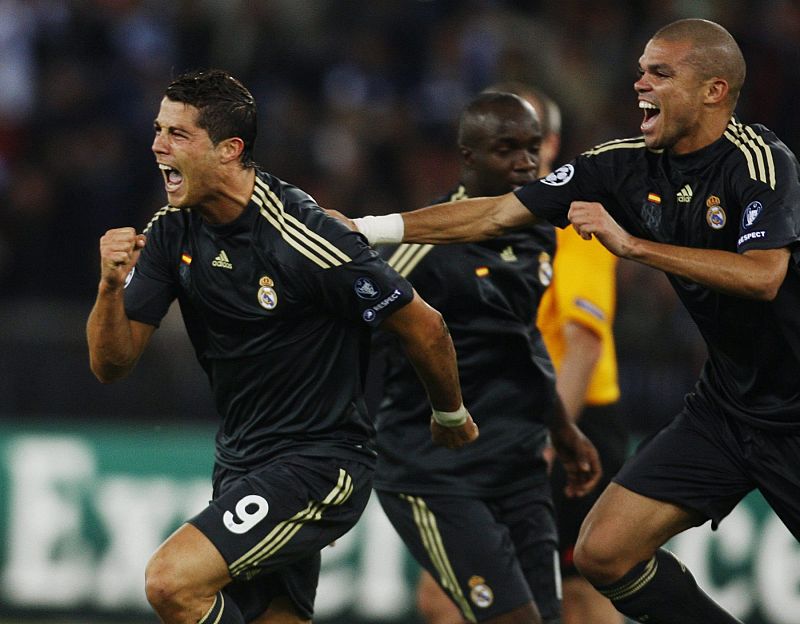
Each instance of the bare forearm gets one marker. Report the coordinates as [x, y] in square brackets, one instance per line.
[577, 366]
[112, 352]
[741, 275]
[754, 274]
[434, 360]
[466, 220]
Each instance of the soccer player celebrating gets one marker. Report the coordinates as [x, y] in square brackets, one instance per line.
[715, 203]
[279, 300]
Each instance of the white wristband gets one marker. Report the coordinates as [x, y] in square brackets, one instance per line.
[451, 419]
[383, 230]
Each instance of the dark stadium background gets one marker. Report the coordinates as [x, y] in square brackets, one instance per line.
[357, 103]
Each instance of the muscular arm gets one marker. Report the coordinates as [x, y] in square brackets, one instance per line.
[466, 220]
[459, 221]
[429, 348]
[754, 274]
[115, 342]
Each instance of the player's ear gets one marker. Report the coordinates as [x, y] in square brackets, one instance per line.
[716, 90]
[230, 149]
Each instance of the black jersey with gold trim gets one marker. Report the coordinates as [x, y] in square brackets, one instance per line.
[488, 294]
[737, 194]
[279, 306]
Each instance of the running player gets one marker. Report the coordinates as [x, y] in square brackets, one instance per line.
[279, 301]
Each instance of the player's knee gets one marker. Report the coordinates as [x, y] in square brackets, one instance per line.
[164, 588]
[595, 559]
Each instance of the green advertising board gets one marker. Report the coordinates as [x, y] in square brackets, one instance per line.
[83, 506]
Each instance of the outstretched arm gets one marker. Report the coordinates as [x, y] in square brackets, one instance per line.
[755, 274]
[428, 346]
[459, 221]
[115, 342]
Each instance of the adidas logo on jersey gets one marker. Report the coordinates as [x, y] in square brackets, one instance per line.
[508, 254]
[222, 260]
[685, 195]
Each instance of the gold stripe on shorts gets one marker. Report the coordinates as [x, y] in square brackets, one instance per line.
[286, 530]
[432, 541]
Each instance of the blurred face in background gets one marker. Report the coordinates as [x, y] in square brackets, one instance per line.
[504, 151]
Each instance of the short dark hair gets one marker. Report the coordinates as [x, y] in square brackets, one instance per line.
[550, 117]
[715, 52]
[485, 104]
[226, 108]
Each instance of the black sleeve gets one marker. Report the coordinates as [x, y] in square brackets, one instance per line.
[364, 289]
[151, 286]
[771, 207]
[549, 198]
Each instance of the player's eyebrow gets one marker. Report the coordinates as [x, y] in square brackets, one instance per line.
[170, 129]
[655, 68]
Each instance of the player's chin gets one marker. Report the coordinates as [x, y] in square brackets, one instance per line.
[653, 141]
[177, 198]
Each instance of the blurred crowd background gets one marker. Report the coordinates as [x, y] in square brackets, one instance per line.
[357, 102]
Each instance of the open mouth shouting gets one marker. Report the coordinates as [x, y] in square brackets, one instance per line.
[172, 177]
[651, 113]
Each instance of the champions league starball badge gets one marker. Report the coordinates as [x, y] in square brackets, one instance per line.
[366, 289]
[560, 176]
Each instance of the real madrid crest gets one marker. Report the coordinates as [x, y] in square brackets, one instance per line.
[545, 268]
[267, 297]
[480, 593]
[715, 215]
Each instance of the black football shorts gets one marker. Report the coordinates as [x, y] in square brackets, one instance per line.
[707, 461]
[271, 524]
[490, 556]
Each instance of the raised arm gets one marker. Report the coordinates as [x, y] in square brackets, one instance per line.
[428, 346]
[459, 221]
[115, 342]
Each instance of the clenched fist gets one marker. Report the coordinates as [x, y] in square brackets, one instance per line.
[119, 252]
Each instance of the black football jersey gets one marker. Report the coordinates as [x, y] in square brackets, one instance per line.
[279, 305]
[488, 294]
[739, 193]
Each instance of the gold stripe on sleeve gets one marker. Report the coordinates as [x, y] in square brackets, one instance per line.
[316, 248]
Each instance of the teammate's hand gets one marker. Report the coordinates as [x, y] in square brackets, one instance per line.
[338, 215]
[579, 457]
[119, 252]
[454, 437]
